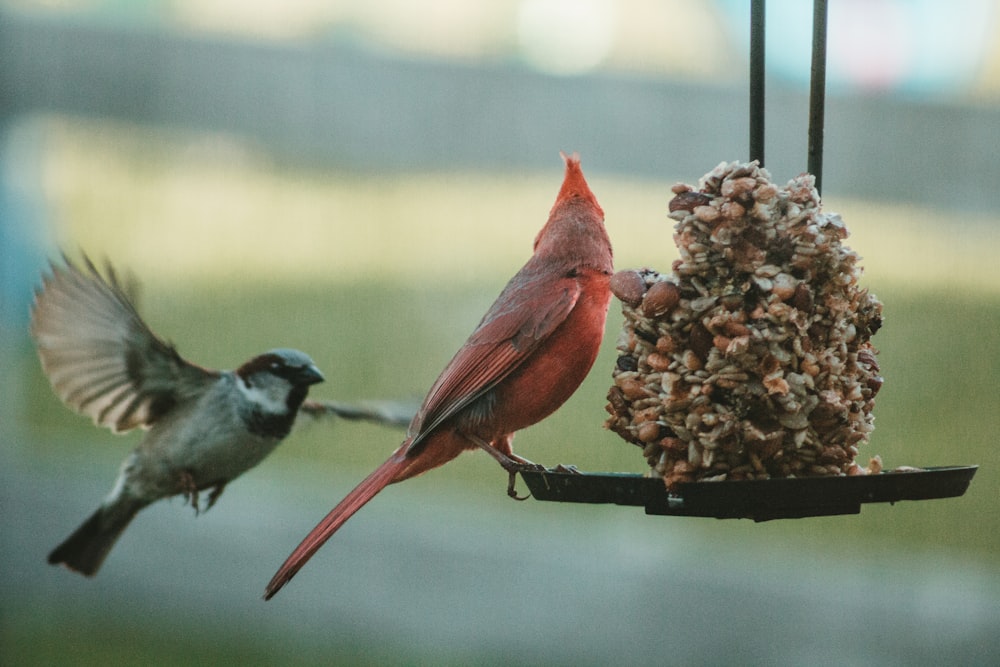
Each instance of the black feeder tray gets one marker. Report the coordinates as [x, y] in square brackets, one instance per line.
[759, 499]
[779, 498]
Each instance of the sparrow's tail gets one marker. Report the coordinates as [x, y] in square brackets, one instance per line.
[384, 475]
[89, 545]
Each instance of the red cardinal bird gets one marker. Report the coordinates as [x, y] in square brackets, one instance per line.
[528, 355]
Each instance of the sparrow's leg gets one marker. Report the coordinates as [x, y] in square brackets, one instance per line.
[214, 495]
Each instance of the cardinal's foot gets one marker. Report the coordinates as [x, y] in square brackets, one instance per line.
[517, 466]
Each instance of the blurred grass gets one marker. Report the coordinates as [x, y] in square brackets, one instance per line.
[382, 276]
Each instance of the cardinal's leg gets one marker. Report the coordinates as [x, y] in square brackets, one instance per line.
[500, 449]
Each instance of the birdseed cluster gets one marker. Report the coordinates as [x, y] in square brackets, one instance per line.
[753, 359]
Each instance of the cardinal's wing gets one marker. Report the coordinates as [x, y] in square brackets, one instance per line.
[102, 360]
[525, 314]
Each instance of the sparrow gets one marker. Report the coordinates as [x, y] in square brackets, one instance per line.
[204, 428]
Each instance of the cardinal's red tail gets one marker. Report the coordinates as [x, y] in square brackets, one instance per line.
[384, 475]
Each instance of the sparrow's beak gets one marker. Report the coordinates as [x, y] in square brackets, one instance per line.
[308, 375]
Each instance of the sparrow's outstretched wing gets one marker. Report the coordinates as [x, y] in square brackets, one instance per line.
[389, 413]
[101, 358]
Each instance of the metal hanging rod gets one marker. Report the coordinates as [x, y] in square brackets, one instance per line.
[817, 92]
[817, 86]
[757, 81]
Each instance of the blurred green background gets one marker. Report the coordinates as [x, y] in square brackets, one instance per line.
[380, 274]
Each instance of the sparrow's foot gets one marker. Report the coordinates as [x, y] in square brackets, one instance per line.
[190, 490]
[567, 468]
[214, 495]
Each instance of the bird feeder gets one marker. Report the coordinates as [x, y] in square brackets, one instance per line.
[748, 376]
